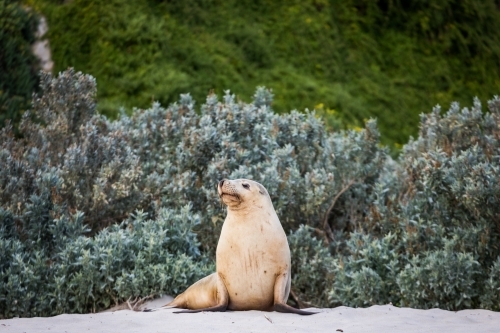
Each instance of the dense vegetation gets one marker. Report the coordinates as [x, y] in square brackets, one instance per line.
[18, 66]
[96, 211]
[387, 59]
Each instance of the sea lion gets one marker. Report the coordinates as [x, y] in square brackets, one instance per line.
[252, 259]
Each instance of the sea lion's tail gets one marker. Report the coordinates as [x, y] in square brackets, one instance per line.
[279, 307]
[170, 305]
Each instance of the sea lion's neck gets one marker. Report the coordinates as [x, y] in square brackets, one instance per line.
[254, 213]
[246, 208]
[240, 211]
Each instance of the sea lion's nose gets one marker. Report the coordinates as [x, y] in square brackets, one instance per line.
[222, 182]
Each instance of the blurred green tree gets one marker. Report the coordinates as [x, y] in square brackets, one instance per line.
[387, 59]
[18, 65]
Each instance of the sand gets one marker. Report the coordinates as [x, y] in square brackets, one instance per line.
[379, 318]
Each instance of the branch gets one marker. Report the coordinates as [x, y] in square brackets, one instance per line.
[129, 305]
[323, 234]
[137, 302]
[326, 226]
[297, 300]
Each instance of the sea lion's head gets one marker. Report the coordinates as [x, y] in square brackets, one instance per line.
[241, 193]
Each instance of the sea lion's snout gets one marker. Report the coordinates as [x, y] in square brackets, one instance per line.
[228, 192]
[219, 186]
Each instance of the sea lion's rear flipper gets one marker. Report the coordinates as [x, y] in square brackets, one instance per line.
[281, 291]
[166, 306]
[212, 290]
[280, 307]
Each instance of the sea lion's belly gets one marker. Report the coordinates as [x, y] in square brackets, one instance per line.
[250, 283]
[249, 264]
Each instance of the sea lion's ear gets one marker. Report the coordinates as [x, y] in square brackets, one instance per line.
[262, 190]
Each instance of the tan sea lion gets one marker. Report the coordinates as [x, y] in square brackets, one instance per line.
[252, 259]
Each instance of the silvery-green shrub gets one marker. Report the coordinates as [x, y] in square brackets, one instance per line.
[439, 201]
[74, 175]
[84, 274]
[312, 268]
[94, 211]
[491, 292]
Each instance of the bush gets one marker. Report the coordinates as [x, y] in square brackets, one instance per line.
[95, 211]
[441, 278]
[69, 156]
[312, 268]
[491, 291]
[79, 274]
[366, 274]
[183, 155]
[74, 168]
[439, 204]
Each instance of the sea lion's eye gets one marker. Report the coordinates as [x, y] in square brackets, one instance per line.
[246, 186]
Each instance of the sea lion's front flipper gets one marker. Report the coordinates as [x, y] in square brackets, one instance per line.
[281, 290]
[219, 292]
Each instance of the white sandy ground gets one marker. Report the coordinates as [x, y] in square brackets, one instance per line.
[379, 318]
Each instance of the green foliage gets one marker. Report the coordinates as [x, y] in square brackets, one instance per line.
[18, 66]
[434, 220]
[312, 265]
[184, 154]
[360, 59]
[442, 278]
[491, 292]
[366, 275]
[69, 156]
[94, 211]
[78, 274]
[73, 167]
